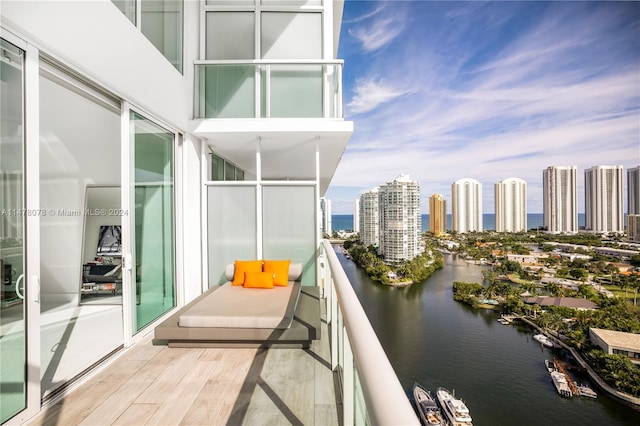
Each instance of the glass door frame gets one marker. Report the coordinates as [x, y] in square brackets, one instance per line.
[131, 336]
[31, 167]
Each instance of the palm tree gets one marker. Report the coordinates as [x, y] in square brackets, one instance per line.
[536, 308]
[634, 283]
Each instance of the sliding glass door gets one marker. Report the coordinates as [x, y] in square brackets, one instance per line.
[13, 354]
[153, 220]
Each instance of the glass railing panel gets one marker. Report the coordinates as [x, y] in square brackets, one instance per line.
[228, 91]
[360, 406]
[334, 91]
[291, 3]
[296, 91]
[283, 90]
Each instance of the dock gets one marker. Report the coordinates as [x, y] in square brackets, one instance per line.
[507, 319]
[572, 385]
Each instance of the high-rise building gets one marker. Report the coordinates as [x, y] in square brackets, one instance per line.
[633, 190]
[400, 220]
[325, 211]
[633, 227]
[466, 205]
[560, 203]
[604, 199]
[356, 215]
[158, 141]
[437, 214]
[511, 205]
[369, 218]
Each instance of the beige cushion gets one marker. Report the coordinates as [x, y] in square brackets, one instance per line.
[241, 307]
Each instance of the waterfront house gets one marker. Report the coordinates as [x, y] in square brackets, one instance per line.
[617, 342]
[567, 302]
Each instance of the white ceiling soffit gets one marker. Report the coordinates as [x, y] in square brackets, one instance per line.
[287, 146]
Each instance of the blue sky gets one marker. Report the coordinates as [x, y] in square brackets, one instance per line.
[486, 90]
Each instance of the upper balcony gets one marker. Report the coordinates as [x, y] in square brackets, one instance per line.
[268, 89]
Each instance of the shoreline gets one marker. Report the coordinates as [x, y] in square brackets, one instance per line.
[604, 386]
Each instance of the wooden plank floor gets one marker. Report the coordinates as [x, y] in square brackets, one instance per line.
[158, 385]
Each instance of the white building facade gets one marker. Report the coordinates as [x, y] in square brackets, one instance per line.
[604, 199]
[356, 215]
[369, 218]
[511, 205]
[400, 220]
[189, 133]
[560, 202]
[466, 205]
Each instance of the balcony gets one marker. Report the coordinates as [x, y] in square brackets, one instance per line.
[274, 89]
[344, 378]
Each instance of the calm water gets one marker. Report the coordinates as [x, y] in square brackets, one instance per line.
[497, 370]
[534, 220]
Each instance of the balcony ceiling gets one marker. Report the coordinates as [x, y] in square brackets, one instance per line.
[287, 145]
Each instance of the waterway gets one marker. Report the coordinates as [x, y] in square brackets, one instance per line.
[498, 370]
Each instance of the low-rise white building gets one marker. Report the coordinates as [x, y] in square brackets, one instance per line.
[617, 342]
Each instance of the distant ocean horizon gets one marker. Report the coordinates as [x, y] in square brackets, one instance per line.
[344, 222]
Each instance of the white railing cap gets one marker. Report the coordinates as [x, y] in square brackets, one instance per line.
[386, 400]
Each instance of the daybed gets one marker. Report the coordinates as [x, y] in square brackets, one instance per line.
[236, 316]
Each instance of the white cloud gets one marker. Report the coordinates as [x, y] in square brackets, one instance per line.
[563, 92]
[365, 16]
[369, 94]
[379, 33]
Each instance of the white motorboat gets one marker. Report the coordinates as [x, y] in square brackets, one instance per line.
[550, 365]
[427, 407]
[544, 340]
[585, 390]
[454, 409]
[561, 384]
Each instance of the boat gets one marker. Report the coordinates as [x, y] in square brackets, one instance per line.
[561, 384]
[544, 340]
[454, 409]
[430, 414]
[585, 390]
[550, 366]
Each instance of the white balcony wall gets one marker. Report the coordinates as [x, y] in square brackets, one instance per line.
[230, 35]
[107, 49]
[287, 35]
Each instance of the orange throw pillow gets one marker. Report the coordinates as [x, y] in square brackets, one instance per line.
[258, 280]
[281, 270]
[243, 266]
